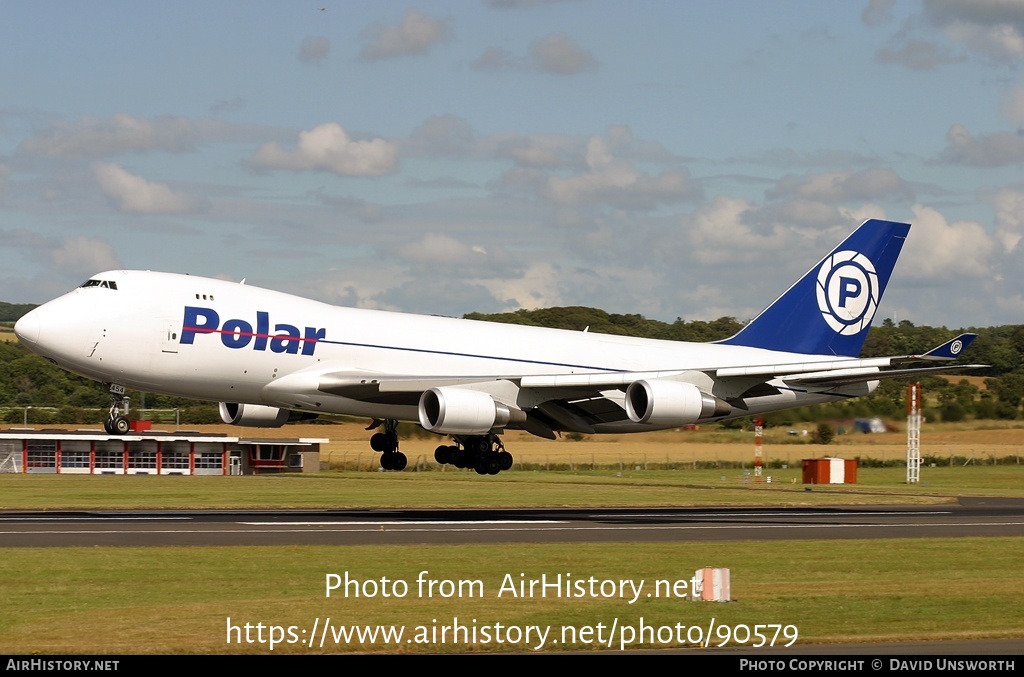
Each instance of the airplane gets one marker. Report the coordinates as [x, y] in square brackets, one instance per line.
[269, 358]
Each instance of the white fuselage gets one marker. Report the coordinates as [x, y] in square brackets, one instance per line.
[214, 340]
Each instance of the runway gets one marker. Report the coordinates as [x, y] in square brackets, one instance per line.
[985, 517]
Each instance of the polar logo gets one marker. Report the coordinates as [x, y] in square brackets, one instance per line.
[956, 346]
[847, 292]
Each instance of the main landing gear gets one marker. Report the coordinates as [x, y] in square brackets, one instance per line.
[387, 443]
[117, 423]
[484, 453]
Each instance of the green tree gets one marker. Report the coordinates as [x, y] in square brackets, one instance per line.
[823, 434]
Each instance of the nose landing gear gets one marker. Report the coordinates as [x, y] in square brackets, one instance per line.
[116, 422]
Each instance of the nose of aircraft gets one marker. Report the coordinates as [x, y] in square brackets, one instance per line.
[27, 328]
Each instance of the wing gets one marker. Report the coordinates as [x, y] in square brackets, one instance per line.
[595, 402]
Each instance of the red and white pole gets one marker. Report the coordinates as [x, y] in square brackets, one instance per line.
[758, 451]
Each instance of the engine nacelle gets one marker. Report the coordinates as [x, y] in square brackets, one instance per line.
[661, 402]
[259, 416]
[460, 411]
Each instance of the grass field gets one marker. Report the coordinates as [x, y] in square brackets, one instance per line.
[348, 446]
[657, 469]
[678, 448]
[180, 600]
[111, 600]
[462, 489]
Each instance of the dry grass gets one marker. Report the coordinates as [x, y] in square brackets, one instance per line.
[982, 440]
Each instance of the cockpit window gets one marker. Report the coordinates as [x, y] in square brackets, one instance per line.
[106, 284]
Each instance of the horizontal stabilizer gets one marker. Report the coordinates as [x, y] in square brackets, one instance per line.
[951, 349]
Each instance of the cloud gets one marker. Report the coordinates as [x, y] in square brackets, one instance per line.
[937, 250]
[991, 150]
[1013, 106]
[94, 138]
[833, 187]
[721, 232]
[556, 55]
[437, 251]
[496, 59]
[137, 195]
[442, 296]
[617, 182]
[540, 286]
[328, 148]
[522, 4]
[542, 150]
[1009, 208]
[993, 28]
[999, 43]
[83, 256]
[797, 214]
[451, 136]
[561, 55]
[789, 157]
[877, 12]
[228, 105]
[915, 54]
[59, 261]
[416, 34]
[314, 49]
[444, 136]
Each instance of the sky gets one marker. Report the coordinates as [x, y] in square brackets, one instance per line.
[673, 159]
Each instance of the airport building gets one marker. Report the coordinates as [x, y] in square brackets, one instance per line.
[92, 452]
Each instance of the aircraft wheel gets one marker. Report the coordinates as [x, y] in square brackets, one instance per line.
[120, 425]
[385, 461]
[398, 460]
[107, 426]
[504, 460]
[480, 466]
[442, 454]
[378, 441]
[492, 465]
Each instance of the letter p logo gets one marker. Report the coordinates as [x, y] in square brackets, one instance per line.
[849, 287]
[847, 292]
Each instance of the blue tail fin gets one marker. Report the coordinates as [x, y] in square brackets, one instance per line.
[829, 310]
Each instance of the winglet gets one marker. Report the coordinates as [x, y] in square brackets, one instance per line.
[829, 310]
[951, 349]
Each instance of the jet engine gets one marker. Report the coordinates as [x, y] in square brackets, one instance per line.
[460, 411]
[259, 416]
[661, 402]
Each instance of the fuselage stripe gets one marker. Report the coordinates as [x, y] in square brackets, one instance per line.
[474, 355]
[250, 334]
